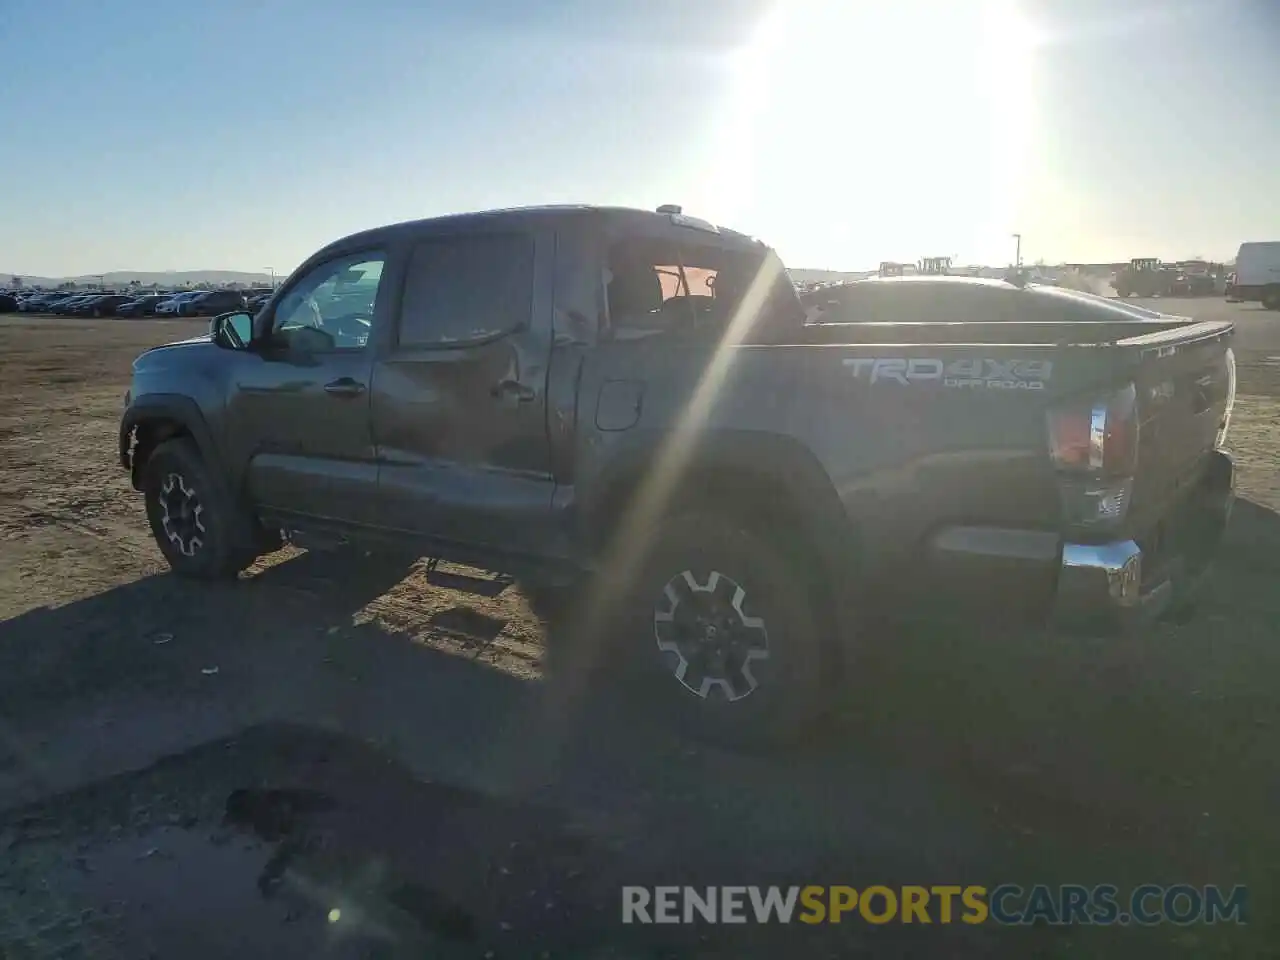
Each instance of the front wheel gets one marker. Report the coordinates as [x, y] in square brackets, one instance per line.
[193, 521]
[717, 632]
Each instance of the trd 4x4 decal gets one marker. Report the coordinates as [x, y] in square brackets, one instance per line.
[983, 374]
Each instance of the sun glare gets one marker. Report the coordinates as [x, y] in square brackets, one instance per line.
[910, 118]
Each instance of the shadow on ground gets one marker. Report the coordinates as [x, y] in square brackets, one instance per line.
[290, 842]
[111, 642]
[955, 757]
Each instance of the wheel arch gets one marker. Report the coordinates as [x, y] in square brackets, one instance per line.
[769, 480]
[154, 418]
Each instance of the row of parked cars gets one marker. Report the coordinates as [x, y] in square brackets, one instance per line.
[188, 303]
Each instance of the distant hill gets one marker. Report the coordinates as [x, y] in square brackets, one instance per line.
[163, 278]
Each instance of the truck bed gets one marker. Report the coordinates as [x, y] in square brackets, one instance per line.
[1082, 333]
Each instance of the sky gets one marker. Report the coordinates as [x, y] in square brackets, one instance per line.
[245, 134]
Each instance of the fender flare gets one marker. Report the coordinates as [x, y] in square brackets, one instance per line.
[174, 407]
[776, 458]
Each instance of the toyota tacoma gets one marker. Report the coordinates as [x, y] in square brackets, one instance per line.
[632, 405]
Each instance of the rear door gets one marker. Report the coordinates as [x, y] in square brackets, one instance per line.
[459, 397]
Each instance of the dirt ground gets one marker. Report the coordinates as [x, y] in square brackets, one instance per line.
[1002, 758]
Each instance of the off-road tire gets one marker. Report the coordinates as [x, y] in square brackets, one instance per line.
[622, 658]
[213, 551]
[1271, 299]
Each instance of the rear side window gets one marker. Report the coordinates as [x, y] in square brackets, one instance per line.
[465, 288]
[660, 285]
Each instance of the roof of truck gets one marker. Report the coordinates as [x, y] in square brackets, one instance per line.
[531, 216]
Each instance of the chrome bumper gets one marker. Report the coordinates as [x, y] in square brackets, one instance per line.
[1103, 582]
[1107, 582]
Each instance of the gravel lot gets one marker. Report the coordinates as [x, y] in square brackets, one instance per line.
[374, 737]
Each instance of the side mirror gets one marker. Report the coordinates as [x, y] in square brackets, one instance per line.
[232, 331]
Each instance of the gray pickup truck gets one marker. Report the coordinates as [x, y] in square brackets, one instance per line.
[635, 404]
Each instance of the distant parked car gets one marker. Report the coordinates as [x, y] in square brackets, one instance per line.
[8, 304]
[67, 305]
[32, 303]
[41, 302]
[144, 306]
[257, 302]
[213, 303]
[172, 306]
[79, 307]
[104, 306]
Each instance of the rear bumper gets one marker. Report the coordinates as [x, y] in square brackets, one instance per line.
[1116, 585]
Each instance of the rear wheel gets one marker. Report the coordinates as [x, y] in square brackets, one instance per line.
[1271, 299]
[193, 521]
[716, 633]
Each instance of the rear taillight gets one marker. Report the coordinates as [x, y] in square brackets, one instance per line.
[1093, 445]
[1098, 437]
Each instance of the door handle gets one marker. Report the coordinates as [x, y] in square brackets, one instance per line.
[344, 387]
[512, 390]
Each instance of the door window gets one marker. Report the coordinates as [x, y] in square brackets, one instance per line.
[466, 288]
[331, 307]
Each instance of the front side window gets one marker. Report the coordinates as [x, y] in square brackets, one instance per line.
[331, 308]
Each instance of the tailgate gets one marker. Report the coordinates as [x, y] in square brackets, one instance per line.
[1184, 387]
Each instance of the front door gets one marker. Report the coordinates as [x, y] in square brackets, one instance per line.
[459, 397]
[298, 411]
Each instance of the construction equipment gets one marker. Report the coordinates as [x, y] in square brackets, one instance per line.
[1144, 277]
